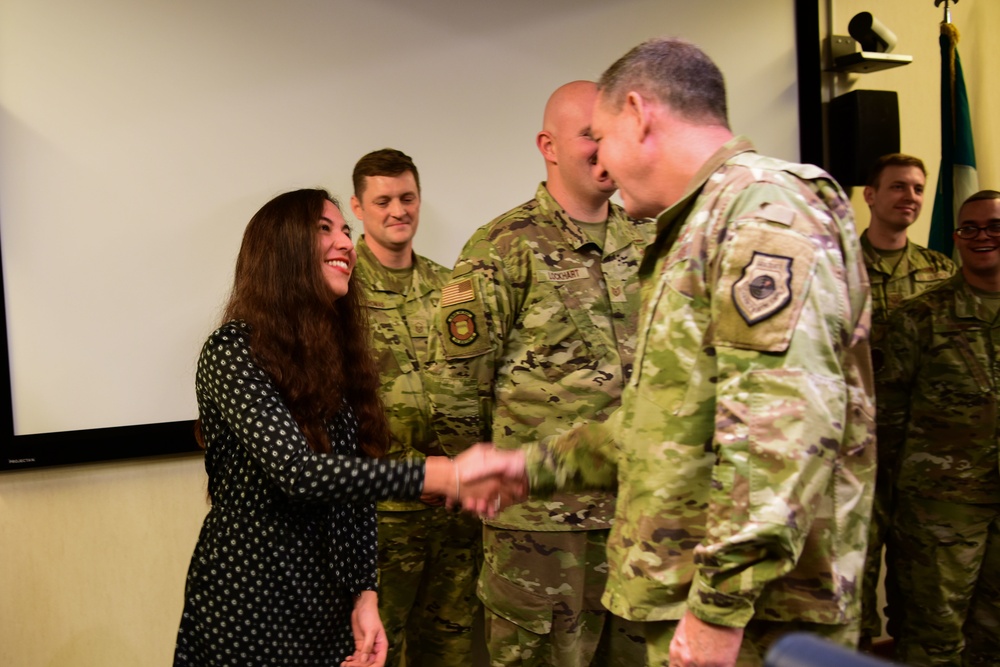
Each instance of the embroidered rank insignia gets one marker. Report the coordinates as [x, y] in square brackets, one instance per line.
[462, 327]
[764, 288]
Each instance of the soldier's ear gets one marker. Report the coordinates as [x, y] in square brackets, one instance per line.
[356, 207]
[869, 195]
[546, 147]
[638, 114]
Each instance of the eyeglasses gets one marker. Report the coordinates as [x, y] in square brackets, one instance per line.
[969, 232]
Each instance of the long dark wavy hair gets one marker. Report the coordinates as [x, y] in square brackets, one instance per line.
[314, 345]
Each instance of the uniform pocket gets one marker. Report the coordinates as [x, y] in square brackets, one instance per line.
[516, 604]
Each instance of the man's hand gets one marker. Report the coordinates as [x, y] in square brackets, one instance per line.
[482, 480]
[700, 644]
[491, 479]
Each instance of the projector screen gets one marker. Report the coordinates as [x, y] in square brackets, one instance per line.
[138, 138]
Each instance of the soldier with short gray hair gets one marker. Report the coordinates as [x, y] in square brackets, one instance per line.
[744, 450]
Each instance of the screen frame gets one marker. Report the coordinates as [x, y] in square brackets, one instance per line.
[40, 450]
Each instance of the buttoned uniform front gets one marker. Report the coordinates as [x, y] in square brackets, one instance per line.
[290, 539]
[744, 449]
[918, 270]
[428, 557]
[938, 407]
[537, 335]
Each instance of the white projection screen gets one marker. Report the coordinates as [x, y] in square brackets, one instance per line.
[138, 138]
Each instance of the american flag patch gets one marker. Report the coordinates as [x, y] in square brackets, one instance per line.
[457, 292]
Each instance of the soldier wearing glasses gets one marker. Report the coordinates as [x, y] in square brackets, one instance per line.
[938, 407]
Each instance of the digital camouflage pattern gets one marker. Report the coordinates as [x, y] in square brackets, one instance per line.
[918, 270]
[745, 445]
[948, 567]
[537, 334]
[937, 400]
[400, 317]
[545, 624]
[428, 558]
[937, 396]
[428, 565]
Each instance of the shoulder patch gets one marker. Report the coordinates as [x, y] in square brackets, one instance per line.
[457, 291]
[762, 287]
[461, 323]
[765, 287]
[462, 327]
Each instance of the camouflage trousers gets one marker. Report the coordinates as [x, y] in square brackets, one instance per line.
[946, 561]
[757, 639]
[871, 621]
[542, 594]
[428, 562]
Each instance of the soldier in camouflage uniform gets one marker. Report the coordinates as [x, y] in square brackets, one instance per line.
[537, 332]
[897, 269]
[428, 557]
[744, 448]
[938, 407]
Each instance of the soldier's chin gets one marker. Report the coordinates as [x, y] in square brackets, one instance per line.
[637, 210]
[606, 184]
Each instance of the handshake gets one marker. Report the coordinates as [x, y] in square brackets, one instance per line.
[482, 479]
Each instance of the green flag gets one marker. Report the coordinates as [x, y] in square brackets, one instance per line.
[957, 178]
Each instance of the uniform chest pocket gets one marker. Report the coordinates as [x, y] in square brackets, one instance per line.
[586, 310]
[391, 343]
[930, 276]
[970, 347]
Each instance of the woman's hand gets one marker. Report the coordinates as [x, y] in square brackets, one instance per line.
[370, 643]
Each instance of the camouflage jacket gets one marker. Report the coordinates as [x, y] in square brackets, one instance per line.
[537, 334]
[918, 270]
[937, 397]
[745, 442]
[400, 317]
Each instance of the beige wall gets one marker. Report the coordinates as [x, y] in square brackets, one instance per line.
[93, 560]
[916, 25]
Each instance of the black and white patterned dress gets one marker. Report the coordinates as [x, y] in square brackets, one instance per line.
[291, 535]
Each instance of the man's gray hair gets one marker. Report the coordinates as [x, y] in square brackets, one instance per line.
[673, 72]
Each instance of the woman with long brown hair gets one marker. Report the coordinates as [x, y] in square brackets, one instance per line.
[289, 415]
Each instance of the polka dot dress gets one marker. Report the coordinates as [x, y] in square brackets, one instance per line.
[291, 535]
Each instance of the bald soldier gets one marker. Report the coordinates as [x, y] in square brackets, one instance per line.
[537, 334]
[743, 451]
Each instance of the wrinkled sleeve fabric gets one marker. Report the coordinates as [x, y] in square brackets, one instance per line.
[582, 458]
[781, 399]
[895, 381]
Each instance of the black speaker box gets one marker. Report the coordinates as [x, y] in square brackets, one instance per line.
[864, 126]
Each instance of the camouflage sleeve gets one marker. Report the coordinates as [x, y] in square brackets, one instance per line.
[894, 382]
[473, 317]
[778, 305]
[582, 458]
